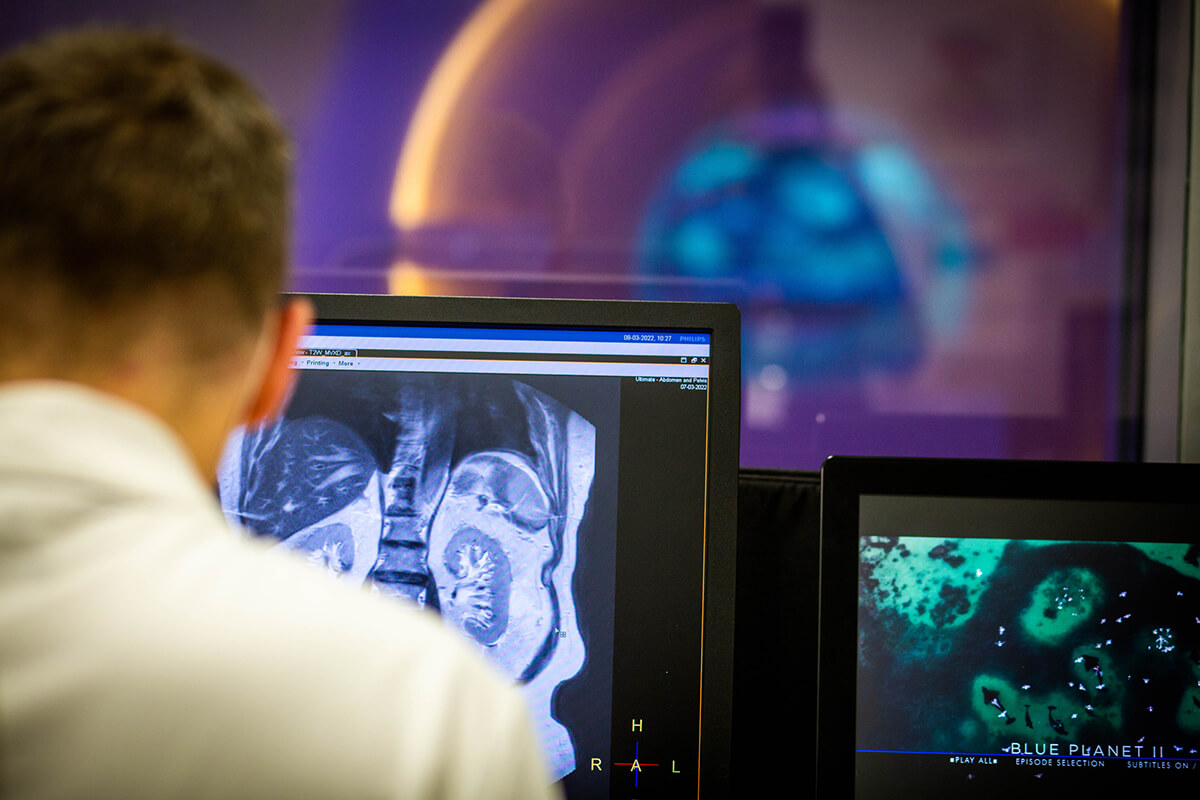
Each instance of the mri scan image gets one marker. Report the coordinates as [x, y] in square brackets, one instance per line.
[462, 493]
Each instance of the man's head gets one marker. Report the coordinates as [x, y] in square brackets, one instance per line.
[143, 220]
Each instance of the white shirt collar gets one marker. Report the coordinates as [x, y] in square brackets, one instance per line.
[65, 430]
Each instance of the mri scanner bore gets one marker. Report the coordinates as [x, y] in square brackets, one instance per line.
[462, 493]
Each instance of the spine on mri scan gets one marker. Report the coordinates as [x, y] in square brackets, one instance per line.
[411, 489]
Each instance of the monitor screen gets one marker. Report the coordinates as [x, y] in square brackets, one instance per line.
[993, 629]
[557, 480]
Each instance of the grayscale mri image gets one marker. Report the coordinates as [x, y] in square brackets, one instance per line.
[462, 493]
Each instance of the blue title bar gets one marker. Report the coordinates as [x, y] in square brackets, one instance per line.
[518, 334]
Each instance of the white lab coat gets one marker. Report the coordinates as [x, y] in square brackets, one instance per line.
[148, 650]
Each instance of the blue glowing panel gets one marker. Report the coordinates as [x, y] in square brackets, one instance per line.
[844, 254]
[791, 222]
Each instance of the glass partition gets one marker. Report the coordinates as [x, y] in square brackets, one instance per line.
[921, 209]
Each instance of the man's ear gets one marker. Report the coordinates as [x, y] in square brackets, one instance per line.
[292, 322]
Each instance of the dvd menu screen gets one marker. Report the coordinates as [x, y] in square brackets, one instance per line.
[1026, 645]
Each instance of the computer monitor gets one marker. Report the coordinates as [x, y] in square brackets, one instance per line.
[1009, 629]
[557, 479]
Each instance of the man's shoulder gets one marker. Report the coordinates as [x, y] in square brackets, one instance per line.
[298, 680]
[236, 588]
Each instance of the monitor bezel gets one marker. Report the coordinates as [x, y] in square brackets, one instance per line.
[845, 479]
[723, 322]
